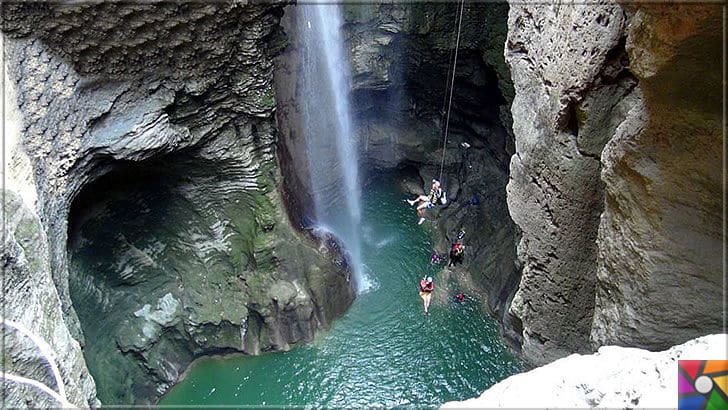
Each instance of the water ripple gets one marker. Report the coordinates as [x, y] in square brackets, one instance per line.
[384, 351]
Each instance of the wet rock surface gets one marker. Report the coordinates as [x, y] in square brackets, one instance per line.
[161, 115]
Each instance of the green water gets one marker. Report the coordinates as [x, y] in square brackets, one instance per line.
[384, 350]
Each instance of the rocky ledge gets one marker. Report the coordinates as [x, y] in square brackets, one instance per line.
[613, 377]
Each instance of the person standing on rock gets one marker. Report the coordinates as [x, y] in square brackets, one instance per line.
[427, 285]
[456, 254]
[428, 201]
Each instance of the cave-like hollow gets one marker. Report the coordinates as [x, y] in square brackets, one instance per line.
[181, 256]
[154, 248]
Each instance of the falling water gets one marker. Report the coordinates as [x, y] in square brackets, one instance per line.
[328, 130]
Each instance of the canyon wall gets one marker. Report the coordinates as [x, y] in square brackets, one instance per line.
[660, 276]
[31, 300]
[150, 136]
[615, 182]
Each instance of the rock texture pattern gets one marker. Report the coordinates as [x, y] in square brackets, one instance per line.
[568, 72]
[614, 377]
[30, 299]
[620, 211]
[660, 275]
[172, 100]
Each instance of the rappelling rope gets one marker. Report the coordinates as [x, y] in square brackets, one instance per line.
[452, 86]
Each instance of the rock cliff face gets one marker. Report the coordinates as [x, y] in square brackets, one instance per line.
[619, 210]
[150, 135]
[660, 276]
[31, 299]
[614, 377]
[568, 68]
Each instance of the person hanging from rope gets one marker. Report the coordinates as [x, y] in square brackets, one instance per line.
[427, 285]
[429, 201]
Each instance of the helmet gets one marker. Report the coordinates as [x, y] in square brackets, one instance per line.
[429, 279]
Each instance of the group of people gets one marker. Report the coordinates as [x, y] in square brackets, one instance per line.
[457, 252]
[427, 286]
[457, 249]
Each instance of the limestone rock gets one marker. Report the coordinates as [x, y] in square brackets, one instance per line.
[564, 60]
[604, 99]
[660, 276]
[613, 377]
[30, 299]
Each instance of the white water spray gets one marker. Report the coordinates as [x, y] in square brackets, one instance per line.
[328, 129]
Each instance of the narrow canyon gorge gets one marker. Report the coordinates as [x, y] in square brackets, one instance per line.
[194, 180]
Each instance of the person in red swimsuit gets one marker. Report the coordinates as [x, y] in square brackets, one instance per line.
[427, 285]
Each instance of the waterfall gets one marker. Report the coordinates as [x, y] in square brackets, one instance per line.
[328, 130]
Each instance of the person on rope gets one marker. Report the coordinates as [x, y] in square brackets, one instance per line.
[427, 285]
[456, 254]
[435, 259]
[429, 201]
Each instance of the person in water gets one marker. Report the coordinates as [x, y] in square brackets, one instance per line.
[460, 297]
[427, 285]
[456, 254]
[428, 201]
[435, 259]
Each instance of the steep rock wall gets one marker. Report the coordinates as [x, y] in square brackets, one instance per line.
[660, 237]
[620, 210]
[568, 71]
[178, 95]
[30, 299]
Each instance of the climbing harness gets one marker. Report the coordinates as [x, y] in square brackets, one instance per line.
[452, 86]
